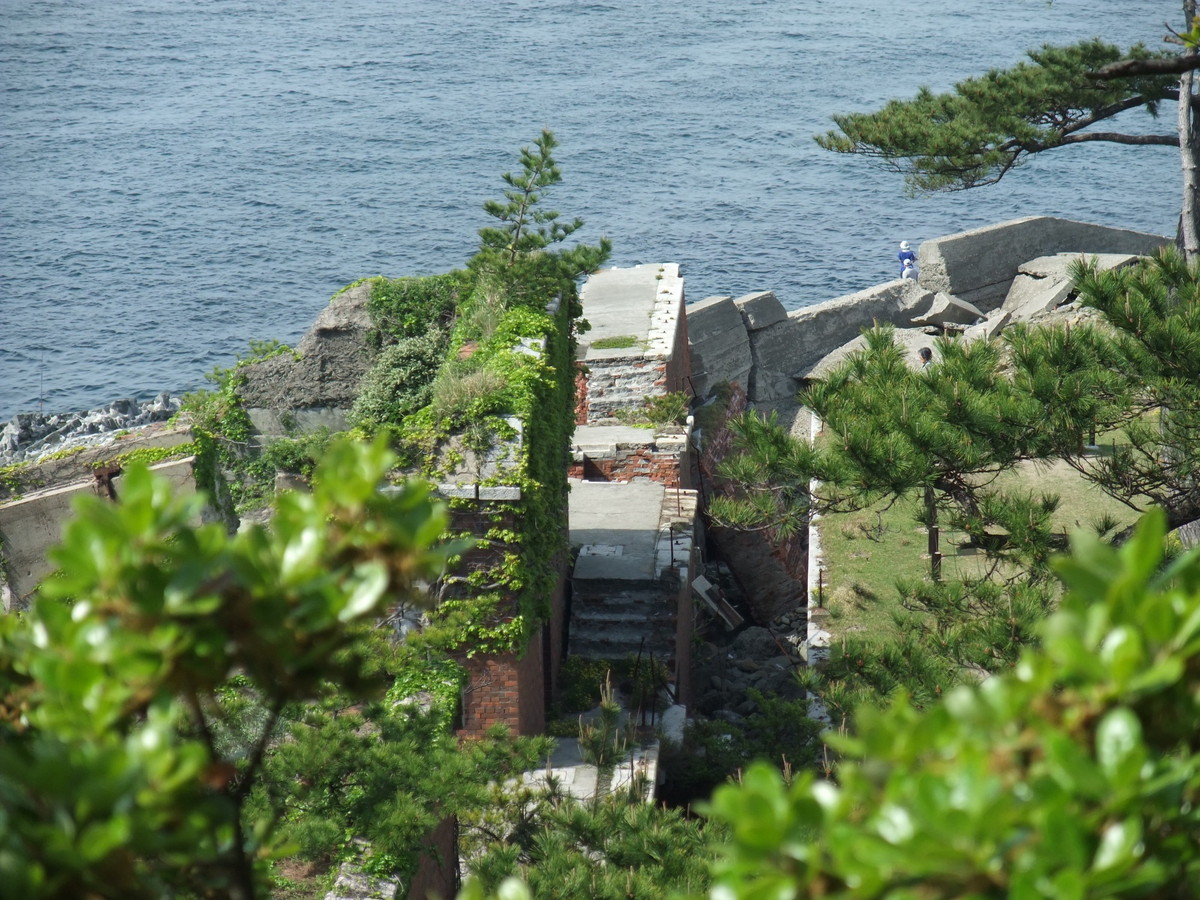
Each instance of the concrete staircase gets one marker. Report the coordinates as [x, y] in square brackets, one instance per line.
[617, 620]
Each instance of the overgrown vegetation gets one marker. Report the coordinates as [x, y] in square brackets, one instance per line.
[950, 441]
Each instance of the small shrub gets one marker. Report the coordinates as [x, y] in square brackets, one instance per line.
[582, 682]
[409, 307]
[665, 409]
[300, 455]
[400, 382]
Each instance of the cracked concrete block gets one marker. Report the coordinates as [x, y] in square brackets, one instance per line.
[840, 320]
[773, 353]
[979, 265]
[760, 310]
[1030, 296]
[948, 310]
[989, 327]
[719, 343]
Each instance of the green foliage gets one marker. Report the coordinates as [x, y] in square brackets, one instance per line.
[146, 456]
[403, 308]
[226, 464]
[299, 455]
[120, 775]
[466, 389]
[520, 252]
[400, 381]
[1155, 309]
[617, 342]
[779, 731]
[581, 682]
[617, 849]
[989, 125]
[661, 409]
[1076, 774]
[946, 634]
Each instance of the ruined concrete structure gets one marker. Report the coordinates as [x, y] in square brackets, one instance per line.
[635, 526]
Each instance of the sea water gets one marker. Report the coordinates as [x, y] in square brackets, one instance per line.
[179, 178]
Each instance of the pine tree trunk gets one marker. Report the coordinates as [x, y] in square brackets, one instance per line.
[935, 554]
[1189, 152]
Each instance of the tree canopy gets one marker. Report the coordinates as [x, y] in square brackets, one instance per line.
[1074, 775]
[988, 125]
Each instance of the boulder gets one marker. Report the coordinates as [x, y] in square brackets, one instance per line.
[317, 385]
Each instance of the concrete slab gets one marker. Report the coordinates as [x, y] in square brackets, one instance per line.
[989, 327]
[619, 303]
[617, 524]
[949, 310]
[1029, 295]
[601, 438]
[720, 344]
[1057, 266]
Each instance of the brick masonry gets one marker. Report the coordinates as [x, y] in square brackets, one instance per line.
[507, 689]
[638, 464]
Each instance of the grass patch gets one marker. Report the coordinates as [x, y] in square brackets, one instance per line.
[617, 342]
[868, 551]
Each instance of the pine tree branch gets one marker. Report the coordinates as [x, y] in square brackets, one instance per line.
[1130, 68]
[1113, 137]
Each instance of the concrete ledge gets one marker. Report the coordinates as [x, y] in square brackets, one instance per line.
[828, 325]
[760, 310]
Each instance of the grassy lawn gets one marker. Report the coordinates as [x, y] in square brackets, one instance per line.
[867, 552]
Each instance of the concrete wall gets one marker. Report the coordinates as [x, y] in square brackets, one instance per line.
[32, 525]
[754, 343]
[979, 265]
[720, 345]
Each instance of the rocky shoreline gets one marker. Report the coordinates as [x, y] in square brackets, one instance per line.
[29, 437]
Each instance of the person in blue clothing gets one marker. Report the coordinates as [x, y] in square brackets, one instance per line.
[905, 253]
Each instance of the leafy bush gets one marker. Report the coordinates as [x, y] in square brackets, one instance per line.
[1075, 775]
[400, 382]
[409, 307]
[582, 680]
[298, 455]
[460, 385]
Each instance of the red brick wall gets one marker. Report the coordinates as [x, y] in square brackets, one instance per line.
[662, 467]
[581, 394]
[505, 688]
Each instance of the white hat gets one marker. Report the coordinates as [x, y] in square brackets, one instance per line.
[904, 245]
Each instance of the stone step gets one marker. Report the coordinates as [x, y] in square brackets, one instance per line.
[612, 644]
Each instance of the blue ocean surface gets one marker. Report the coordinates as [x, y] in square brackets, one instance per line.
[180, 178]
